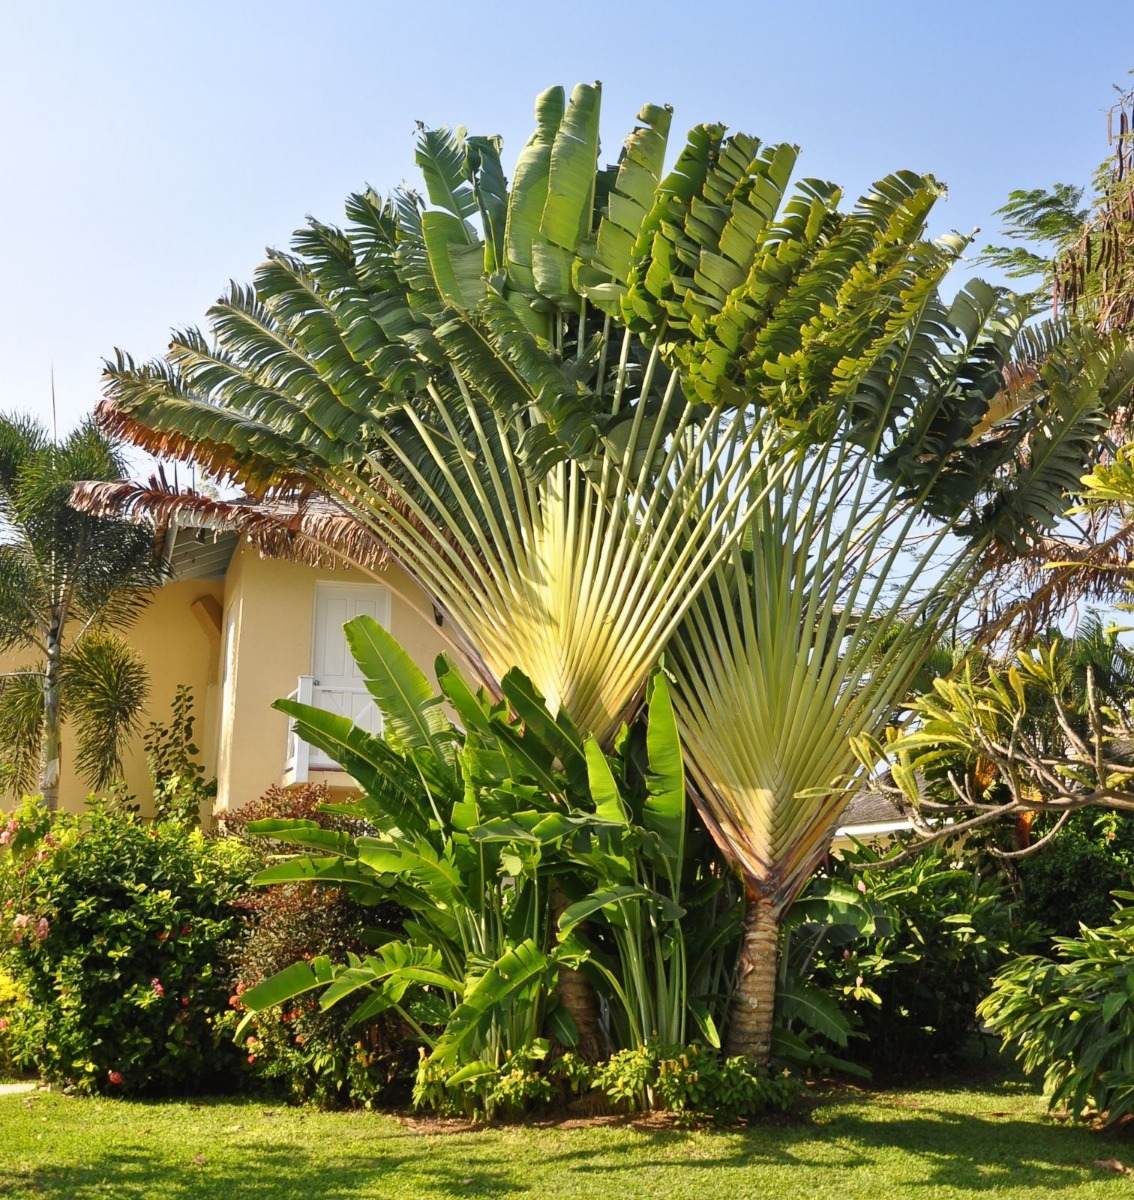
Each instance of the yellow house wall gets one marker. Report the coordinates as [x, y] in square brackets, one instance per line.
[175, 649]
[270, 609]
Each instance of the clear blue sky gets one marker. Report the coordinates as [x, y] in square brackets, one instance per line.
[151, 150]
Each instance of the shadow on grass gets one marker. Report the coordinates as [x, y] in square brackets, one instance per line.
[134, 1173]
[931, 1149]
[886, 1143]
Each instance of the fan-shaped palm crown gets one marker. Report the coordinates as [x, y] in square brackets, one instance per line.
[553, 401]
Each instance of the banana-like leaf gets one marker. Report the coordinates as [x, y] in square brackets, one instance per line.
[529, 190]
[441, 155]
[664, 812]
[507, 981]
[412, 711]
[607, 799]
[296, 980]
[379, 770]
[814, 1009]
[300, 832]
[575, 913]
[458, 267]
[331, 869]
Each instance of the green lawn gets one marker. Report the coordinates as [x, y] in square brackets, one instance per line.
[963, 1141]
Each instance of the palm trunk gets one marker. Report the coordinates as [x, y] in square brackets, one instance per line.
[754, 998]
[578, 997]
[52, 738]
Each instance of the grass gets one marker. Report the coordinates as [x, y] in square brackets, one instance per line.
[970, 1139]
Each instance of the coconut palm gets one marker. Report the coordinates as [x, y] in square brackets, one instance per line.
[599, 408]
[67, 580]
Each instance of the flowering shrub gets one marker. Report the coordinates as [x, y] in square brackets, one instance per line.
[10, 1000]
[116, 931]
[298, 1050]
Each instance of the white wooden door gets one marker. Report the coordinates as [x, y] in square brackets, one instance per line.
[338, 683]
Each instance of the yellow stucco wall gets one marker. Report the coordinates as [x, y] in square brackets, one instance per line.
[270, 612]
[176, 649]
[268, 606]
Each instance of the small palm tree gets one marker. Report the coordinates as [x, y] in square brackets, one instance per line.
[66, 581]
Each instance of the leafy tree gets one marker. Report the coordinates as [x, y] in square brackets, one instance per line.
[600, 412]
[1077, 247]
[67, 581]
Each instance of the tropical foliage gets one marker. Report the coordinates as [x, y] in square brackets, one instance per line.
[1044, 735]
[1075, 244]
[67, 581]
[297, 1049]
[1073, 1018]
[897, 959]
[599, 413]
[116, 932]
[520, 856]
[1070, 883]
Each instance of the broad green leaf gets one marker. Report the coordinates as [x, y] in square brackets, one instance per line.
[441, 155]
[457, 266]
[664, 810]
[529, 190]
[568, 210]
[284, 985]
[705, 1023]
[412, 712]
[608, 802]
[506, 980]
[814, 1009]
[573, 914]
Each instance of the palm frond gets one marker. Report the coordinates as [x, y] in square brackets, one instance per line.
[105, 685]
[21, 729]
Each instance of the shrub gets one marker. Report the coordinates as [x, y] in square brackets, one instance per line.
[911, 979]
[181, 790]
[1069, 882]
[693, 1080]
[1073, 1017]
[297, 1049]
[481, 1089]
[116, 930]
[11, 998]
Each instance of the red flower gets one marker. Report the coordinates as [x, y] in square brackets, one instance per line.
[184, 1001]
[114, 1077]
[251, 1058]
[184, 930]
[159, 989]
[234, 1001]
